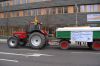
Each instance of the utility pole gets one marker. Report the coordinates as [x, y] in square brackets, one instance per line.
[7, 17]
[76, 23]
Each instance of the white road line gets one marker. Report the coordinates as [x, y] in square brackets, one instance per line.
[9, 60]
[85, 52]
[26, 55]
[97, 53]
[81, 52]
[26, 50]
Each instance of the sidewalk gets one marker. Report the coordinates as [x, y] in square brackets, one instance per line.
[3, 40]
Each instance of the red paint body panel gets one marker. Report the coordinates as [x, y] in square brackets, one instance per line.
[96, 45]
[21, 35]
[44, 32]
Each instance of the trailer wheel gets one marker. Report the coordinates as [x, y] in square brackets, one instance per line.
[37, 40]
[96, 45]
[13, 42]
[64, 45]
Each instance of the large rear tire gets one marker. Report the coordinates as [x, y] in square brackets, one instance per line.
[13, 42]
[37, 40]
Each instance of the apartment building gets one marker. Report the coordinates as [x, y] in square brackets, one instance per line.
[16, 14]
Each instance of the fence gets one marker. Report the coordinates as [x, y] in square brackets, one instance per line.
[8, 31]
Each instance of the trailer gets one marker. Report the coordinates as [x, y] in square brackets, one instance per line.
[37, 37]
[90, 35]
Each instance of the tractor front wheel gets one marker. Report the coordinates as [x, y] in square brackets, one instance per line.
[13, 42]
[37, 40]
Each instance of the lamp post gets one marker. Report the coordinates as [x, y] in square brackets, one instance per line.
[7, 19]
[76, 23]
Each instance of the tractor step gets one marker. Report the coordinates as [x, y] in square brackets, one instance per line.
[53, 42]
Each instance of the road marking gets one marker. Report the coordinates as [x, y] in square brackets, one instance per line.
[26, 50]
[97, 53]
[26, 55]
[85, 52]
[9, 60]
[81, 52]
[38, 54]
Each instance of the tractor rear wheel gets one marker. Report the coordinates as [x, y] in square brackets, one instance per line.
[13, 42]
[37, 40]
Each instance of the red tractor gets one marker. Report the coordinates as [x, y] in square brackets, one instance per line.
[36, 38]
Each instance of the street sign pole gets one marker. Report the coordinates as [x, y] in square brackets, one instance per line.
[76, 23]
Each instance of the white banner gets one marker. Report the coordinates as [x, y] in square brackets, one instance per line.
[82, 36]
[93, 17]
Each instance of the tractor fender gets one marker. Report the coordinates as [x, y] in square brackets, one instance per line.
[41, 31]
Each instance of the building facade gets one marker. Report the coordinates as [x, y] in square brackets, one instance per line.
[16, 14]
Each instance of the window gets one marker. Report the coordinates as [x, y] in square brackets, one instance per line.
[14, 14]
[32, 12]
[43, 11]
[27, 1]
[17, 13]
[23, 1]
[11, 14]
[17, 2]
[14, 2]
[65, 9]
[6, 15]
[53, 10]
[27, 13]
[96, 8]
[31, 1]
[0, 4]
[1, 15]
[70, 9]
[21, 13]
[82, 8]
[40, 0]
[90, 8]
[38, 11]
[7, 3]
[48, 10]
[4, 3]
[10, 3]
[60, 10]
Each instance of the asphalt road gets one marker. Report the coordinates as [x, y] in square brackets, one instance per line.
[48, 57]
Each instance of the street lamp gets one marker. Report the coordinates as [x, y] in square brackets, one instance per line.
[76, 23]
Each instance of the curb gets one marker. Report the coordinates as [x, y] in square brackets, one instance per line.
[3, 40]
